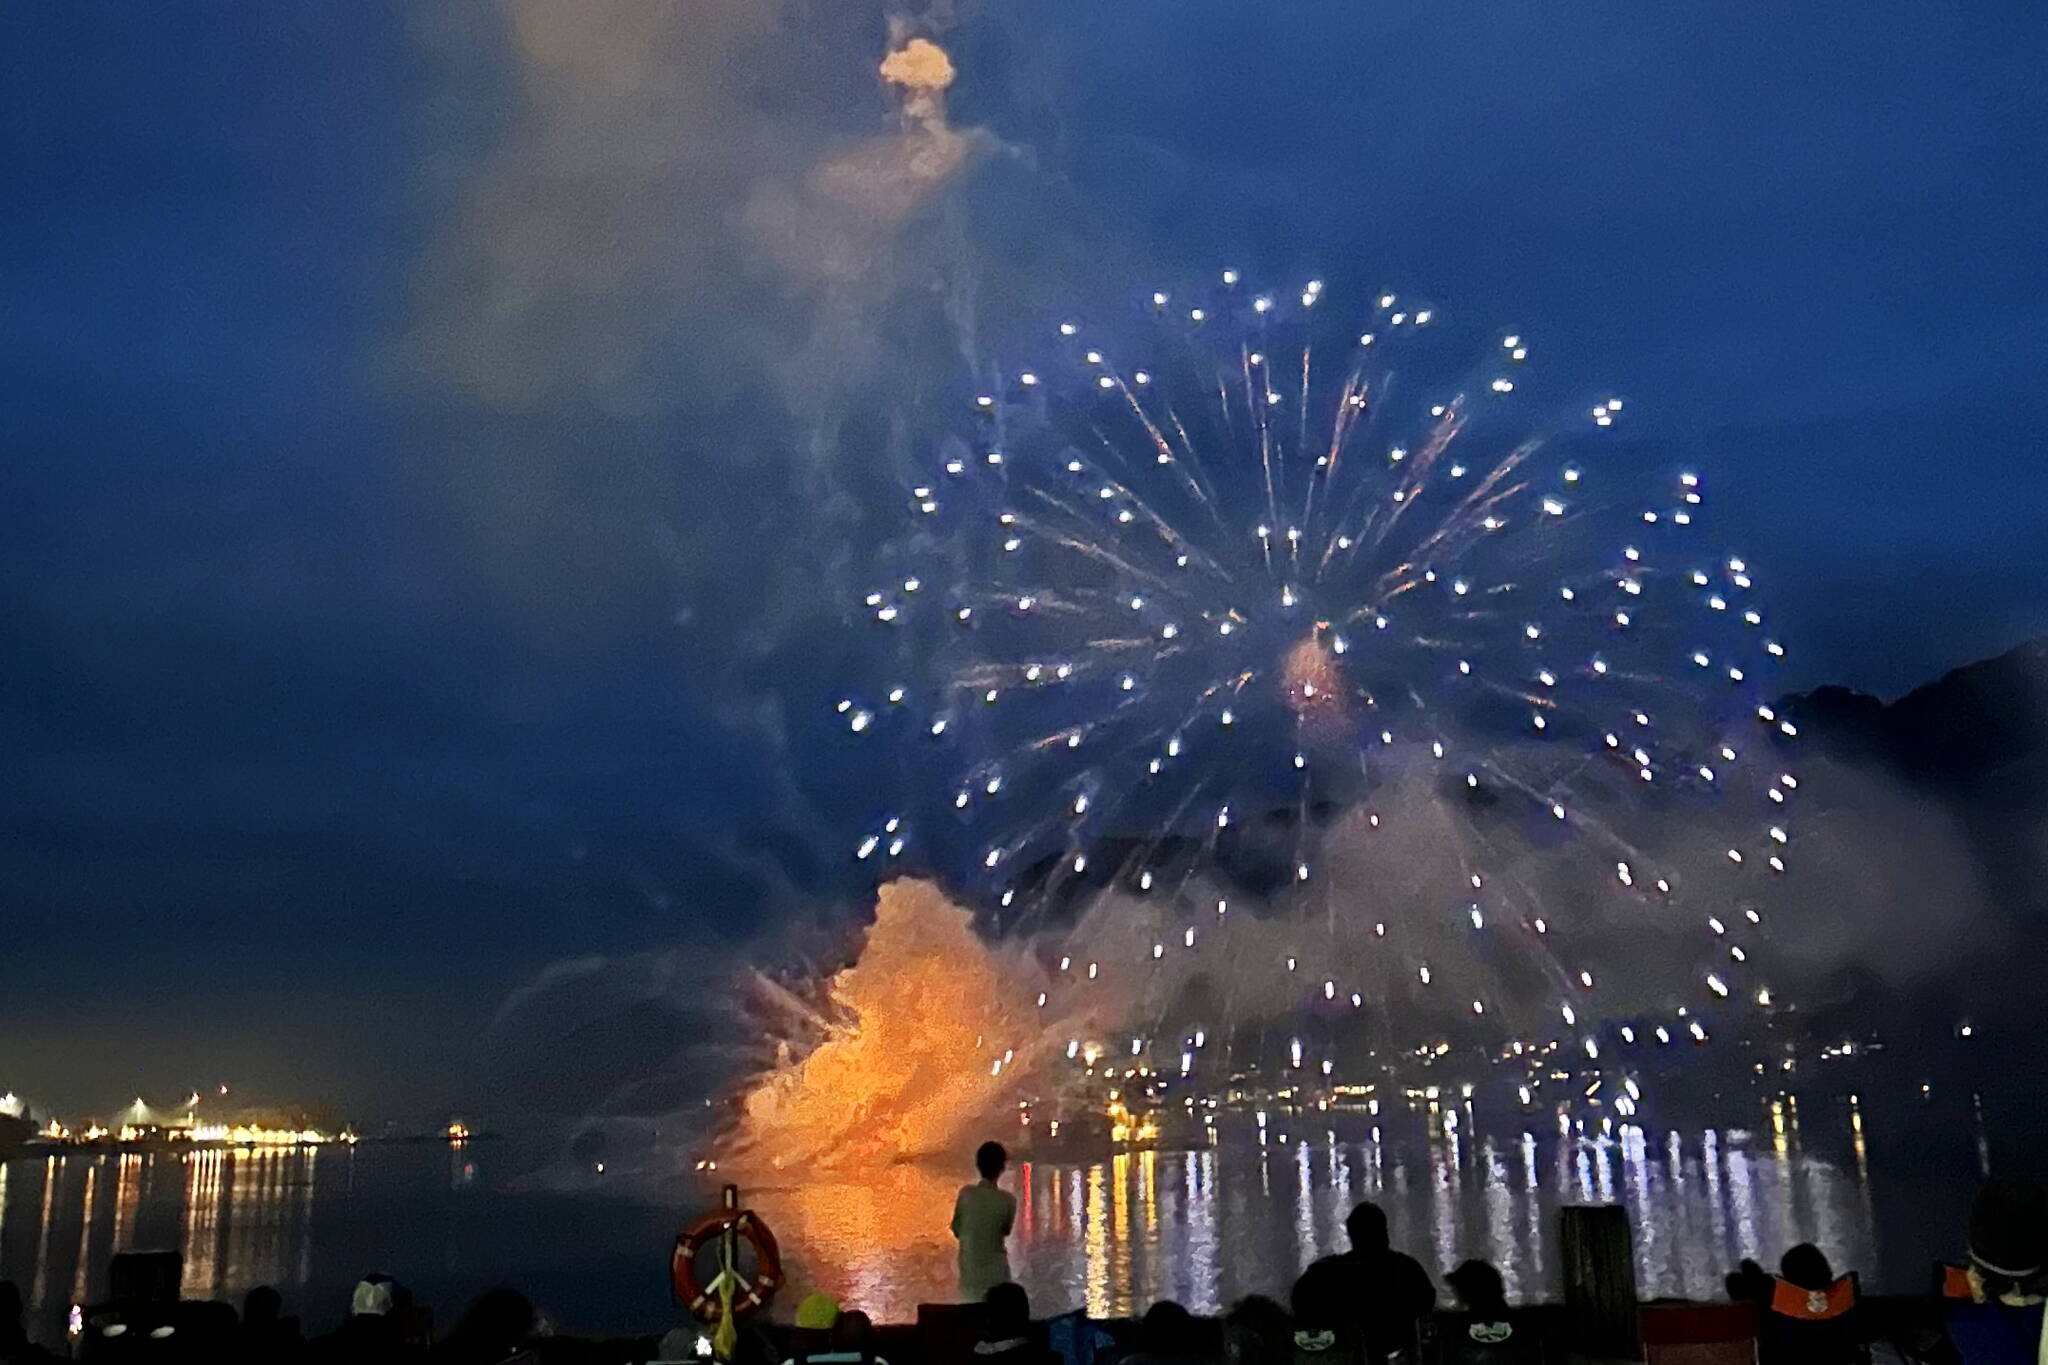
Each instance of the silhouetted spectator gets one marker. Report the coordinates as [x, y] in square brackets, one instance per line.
[1811, 1317]
[371, 1330]
[1484, 1332]
[15, 1347]
[1387, 1294]
[1748, 1283]
[982, 1217]
[1993, 1306]
[496, 1329]
[810, 1335]
[853, 1341]
[2009, 1230]
[826, 1334]
[1006, 1335]
[262, 1306]
[1479, 1289]
[849, 1339]
[266, 1333]
[1258, 1332]
[1325, 1329]
[1167, 1335]
[680, 1341]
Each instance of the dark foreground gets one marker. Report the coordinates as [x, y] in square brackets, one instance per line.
[502, 1328]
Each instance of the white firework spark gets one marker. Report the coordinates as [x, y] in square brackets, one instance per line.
[1253, 586]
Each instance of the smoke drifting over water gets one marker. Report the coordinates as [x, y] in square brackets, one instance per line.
[928, 1040]
[935, 1036]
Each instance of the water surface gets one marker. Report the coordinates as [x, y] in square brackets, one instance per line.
[1203, 1227]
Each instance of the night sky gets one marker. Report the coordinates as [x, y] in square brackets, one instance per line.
[441, 449]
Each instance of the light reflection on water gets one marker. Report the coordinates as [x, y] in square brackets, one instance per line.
[1203, 1227]
[1206, 1227]
[238, 1219]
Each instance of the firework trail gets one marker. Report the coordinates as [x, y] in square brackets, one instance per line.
[1246, 599]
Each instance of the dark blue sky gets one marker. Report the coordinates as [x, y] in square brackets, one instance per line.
[435, 448]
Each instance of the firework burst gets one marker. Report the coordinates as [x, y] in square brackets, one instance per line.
[1247, 596]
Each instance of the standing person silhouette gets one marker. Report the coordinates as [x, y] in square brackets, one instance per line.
[982, 1217]
[1386, 1294]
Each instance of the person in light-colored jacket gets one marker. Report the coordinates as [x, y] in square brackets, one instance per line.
[983, 1215]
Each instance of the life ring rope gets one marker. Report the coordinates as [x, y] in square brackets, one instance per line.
[748, 1293]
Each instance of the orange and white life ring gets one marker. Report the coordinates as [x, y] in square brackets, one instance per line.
[749, 1292]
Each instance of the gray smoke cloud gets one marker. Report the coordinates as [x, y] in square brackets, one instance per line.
[695, 271]
[676, 246]
[656, 182]
[1880, 887]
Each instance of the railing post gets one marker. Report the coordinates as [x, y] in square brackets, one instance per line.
[1598, 1253]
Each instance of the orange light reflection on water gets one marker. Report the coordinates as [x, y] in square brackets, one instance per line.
[863, 1240]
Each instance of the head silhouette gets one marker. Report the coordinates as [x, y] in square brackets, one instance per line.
[989, 1159]
[1257, 1332]
[2009, 1229]
[262, 1305]
[1805, 1267]
[1479, 1287]
[1167, 1330]
[854, 1333]
[1367, 1227]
